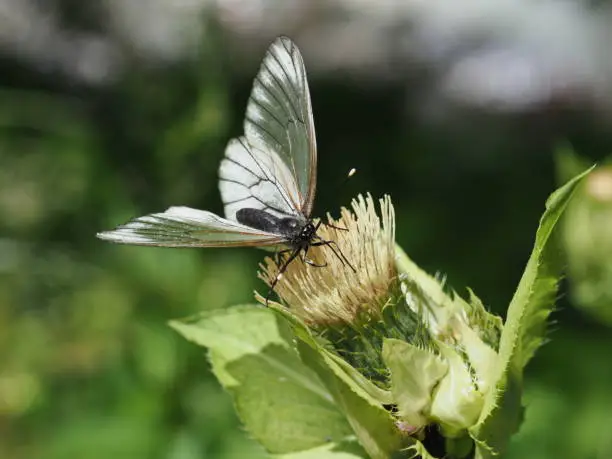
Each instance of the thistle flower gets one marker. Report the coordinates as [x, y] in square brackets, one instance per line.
[359, 311]
[335, 294]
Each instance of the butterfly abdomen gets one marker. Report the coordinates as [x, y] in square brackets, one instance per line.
[260, 219]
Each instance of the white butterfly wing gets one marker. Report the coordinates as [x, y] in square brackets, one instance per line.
[251, 177]
[273, 167]
[187, 227]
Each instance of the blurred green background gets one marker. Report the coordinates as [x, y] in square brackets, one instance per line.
[96, 127]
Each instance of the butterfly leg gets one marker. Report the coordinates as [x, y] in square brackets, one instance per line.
[334, 248]
[308, 261]
[329, 225]
[278, 255]
[339, 228]
[281, 270]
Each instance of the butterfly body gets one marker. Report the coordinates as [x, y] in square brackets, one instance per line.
[296, 231]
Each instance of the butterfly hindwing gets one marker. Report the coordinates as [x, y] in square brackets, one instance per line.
[250, 177]
[187, 227]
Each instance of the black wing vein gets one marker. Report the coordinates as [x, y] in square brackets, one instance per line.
[274, 175]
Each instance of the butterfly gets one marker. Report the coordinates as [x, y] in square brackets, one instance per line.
[267, 178]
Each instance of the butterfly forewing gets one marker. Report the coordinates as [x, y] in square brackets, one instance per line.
[186, 227]
[279, 119]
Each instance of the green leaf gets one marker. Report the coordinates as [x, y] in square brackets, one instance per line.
[493, 433]
[417, 450]
[459, 447]
[525, 327]
[428, 284]
[414, 374]
[534, 298]
[373, 425]
[457, 402]
[281, 402]
[487, 325]
[349, 449]
[482, 359]
[360, 384]
[442, 309]
[355, 379]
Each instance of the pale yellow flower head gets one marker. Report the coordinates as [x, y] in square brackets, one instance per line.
[335, 294]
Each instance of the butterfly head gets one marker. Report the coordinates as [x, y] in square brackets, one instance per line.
[299, 232]
[308, 231]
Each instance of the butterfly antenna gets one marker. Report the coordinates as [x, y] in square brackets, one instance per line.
[352, 172]
[344, 181]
